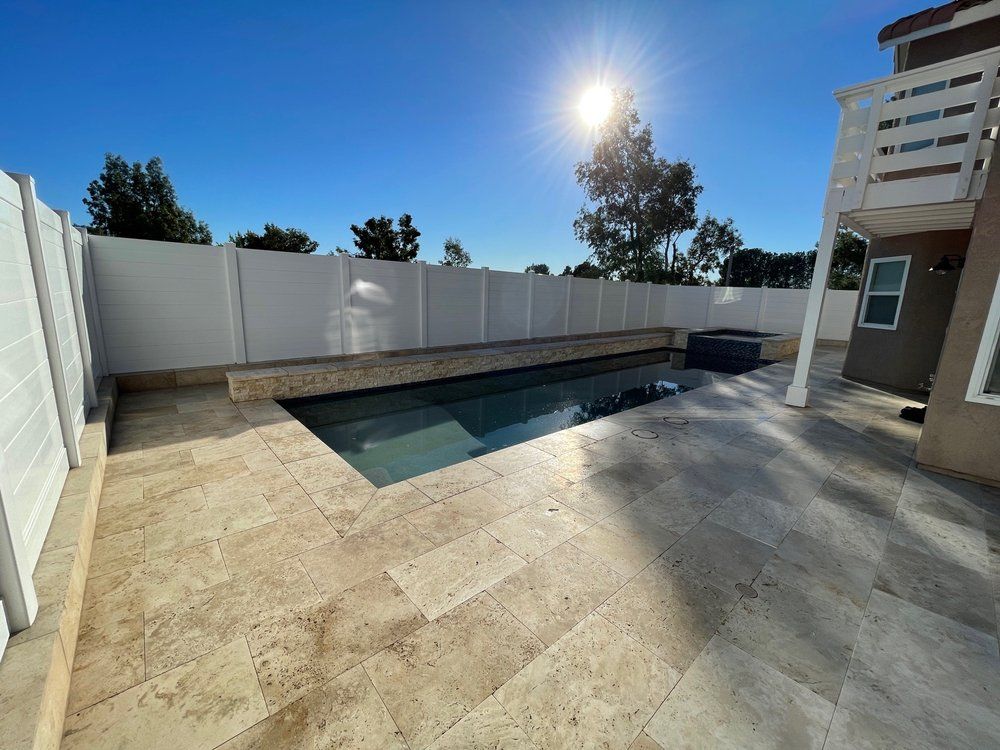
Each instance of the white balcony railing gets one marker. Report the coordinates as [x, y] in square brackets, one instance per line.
[913, 149]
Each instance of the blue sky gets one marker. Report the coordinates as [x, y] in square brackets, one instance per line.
[317, 115]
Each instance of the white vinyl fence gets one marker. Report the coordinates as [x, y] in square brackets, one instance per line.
[169, 305]
[46, 376]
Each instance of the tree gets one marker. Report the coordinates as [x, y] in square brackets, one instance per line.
[542, 269]
[849, 251]
[455, 254]
[380, 240]
[642, 203]
[713, 245]
[288, 240]
[755, 267]
[585, 270]
[129, 200]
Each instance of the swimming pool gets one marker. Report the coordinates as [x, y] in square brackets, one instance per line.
[393, 434]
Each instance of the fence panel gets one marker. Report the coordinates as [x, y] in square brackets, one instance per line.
[384, 305]
[657, 304]
[454, 305]
[838, 314]
[687, 306]
[583, 305]
[548, 308]
[784, 311]
[735, 307]
[635, 314]
[508, 307]
[612, 306]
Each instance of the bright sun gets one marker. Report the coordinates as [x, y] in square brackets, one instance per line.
[595, 106]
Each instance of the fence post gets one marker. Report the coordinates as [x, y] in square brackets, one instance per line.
[760, 307]
[345, 303]
[600, 304]
[569, 296]
[91, 285]
[422, 296]
[531, 302]
[235, 302]
[33, 232]
[649, 293]
[484, 325]
[628, 284]
[666, 300]
[20, 601]
[710, 303]
[76, 292]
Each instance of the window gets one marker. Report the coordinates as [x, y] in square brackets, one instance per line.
[884, 292]
[984, 385]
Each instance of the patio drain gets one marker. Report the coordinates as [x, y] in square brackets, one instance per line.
[645, 434]
[748, 591]
[675, 421]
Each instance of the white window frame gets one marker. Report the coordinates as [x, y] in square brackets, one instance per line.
[869, 293]
[985, 357]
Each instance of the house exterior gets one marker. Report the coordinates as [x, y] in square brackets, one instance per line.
[912, 172]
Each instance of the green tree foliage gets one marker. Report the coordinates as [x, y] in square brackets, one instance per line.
[849, 250]
[585, 270]
[288, 240]
[712, 245]
[455, 254]
[641, 202]
[130, 200]
[542, 269]
[755, 267]
[380, 240]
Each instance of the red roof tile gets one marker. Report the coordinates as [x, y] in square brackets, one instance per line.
[925, 19]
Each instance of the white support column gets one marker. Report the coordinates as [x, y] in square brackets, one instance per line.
[798, 392]
[95, 307]
[531, 303]
[422, 296]
[19, 599]
[976, 124]
[569, 297]
[33, 231]
[76, 292]
[600, 304]
[625, 305]
[345, 303]
[235, 302]
[484, 335]
[649, 293]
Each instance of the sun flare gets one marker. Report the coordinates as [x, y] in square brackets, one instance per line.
[595, 105]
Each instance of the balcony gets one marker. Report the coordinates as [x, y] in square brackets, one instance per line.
[913, 149]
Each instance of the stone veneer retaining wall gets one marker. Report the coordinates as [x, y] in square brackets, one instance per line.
[337, 377]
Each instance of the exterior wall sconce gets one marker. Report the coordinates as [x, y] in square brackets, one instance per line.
[945, 265]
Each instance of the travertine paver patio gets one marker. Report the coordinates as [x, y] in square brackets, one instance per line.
[249, 589]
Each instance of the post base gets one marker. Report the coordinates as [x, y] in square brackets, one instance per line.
[797, 396]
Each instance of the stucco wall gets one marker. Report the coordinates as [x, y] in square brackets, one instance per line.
[958, 436]
[904, 358]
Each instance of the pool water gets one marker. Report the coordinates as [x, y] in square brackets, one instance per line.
[393, 434]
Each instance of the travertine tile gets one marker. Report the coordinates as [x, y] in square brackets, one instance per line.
[445, 577]
[485, 726]
[561, 442]
[578, 464]
[344, 713]
[152, 584]
[134, 515]
[248, 485]
[231, 443]
[122, 466]
[515, 458]
[296, 447]
[556, 591]
[918, 680]
[287, 501]
[841, 526]
[457, 515]
[122, 491]
[756, 517]
[299, 651]
[201, 622]
[594, 688]
[721, 556]
[626, 544]
[320, 472]
[166, 482]
[437, 675]
[597, 496]
[109, 659]
[343, 563]
[260, 460]
[807, 639]
[197, 705]
[962, 545]
[535, 529]
[278, 540]
[29, 668]
[729, 699]
[343, 504]
[387, 503]
[451, 480]
[116, 551]
[672, 506]
[671, 612]
[221, 519]
[599, 429]
[526, 486]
